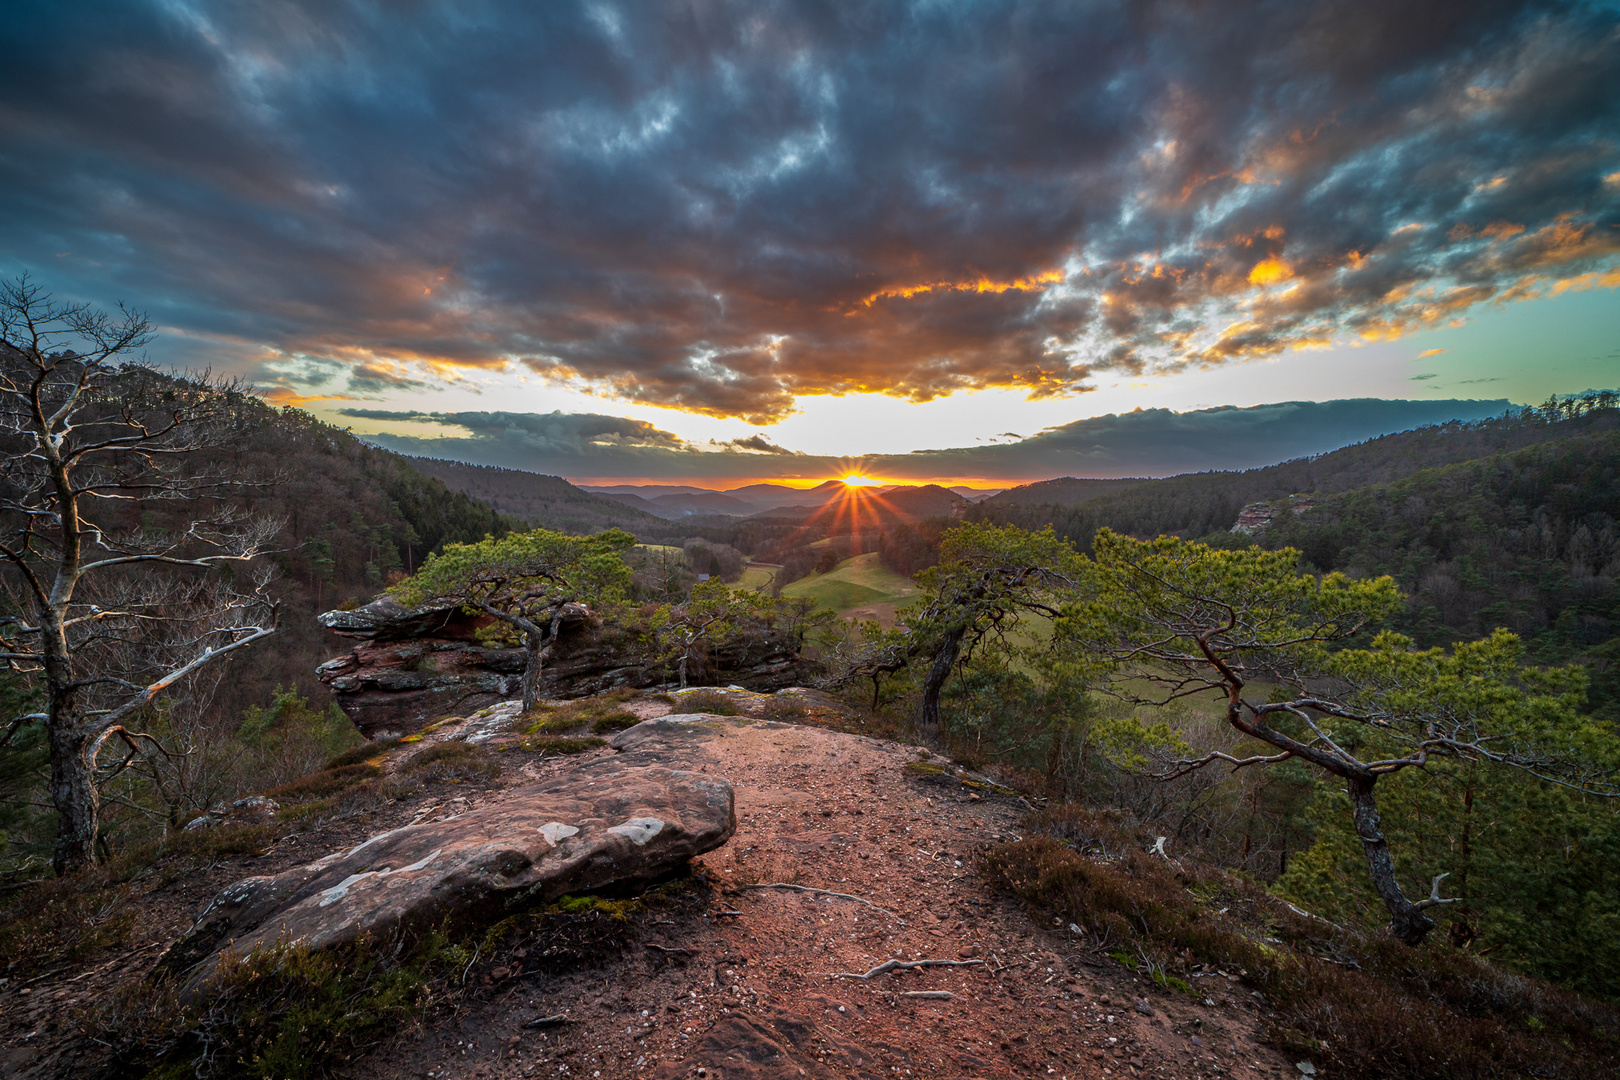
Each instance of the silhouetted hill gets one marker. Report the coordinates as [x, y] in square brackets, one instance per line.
[550, 501]
[1064, 491]
[1197, 504]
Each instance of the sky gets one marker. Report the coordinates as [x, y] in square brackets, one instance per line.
[859, 233]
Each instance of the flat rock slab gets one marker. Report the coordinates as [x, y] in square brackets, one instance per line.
[607, 823]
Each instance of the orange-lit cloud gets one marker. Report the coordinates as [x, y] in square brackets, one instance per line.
[1270, 271]
[728, 214]
[1035, 283]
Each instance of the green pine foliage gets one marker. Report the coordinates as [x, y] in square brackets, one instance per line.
[1537, 868]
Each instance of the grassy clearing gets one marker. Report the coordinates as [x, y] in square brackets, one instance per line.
[1367, 1005]
[862, 581]
[755, 577]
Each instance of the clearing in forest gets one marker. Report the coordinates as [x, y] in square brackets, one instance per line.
[861, 587]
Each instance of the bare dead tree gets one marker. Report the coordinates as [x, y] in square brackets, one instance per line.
[95, 449]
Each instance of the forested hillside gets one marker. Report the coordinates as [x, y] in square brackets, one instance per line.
[1528, 540]
[1508, 522]
[1198, 504]
[543, 500]
[1511, 523]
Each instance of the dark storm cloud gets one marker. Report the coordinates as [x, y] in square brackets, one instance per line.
[1146, 442]
[721, 205]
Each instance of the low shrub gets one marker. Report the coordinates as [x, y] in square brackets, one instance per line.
[451, 760]
[221, 840]
[599, 713]
[561, 744]
[612, 722]
[61, 921]
[374, 793]
[326, 782]
[280, 1013]
[784, 710]
[1372, 1006]
[717, 702]
[365, 752]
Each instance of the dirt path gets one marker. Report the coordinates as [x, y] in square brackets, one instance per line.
[745, 984]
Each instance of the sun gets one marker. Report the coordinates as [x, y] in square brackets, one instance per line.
[857, 480]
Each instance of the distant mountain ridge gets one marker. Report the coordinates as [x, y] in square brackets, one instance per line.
[1141, 442]
[542, 500]
[1200, 504]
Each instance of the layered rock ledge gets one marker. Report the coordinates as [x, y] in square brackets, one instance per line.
[412, 666]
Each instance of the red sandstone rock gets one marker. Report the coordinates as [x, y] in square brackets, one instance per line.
[598, 825]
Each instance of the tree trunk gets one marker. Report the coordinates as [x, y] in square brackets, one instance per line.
[73, 791]
[944, 660]
[1407, 921]
[534, 655]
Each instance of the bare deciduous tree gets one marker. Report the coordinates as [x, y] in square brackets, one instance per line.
[100, 488]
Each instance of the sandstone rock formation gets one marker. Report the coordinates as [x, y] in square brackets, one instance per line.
[414, 665]
[602, 824]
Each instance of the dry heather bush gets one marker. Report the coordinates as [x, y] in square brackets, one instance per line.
[785, 710]
[1372, 1006]
[365, 752]
[374, 793]
[451, 760]
[62, 921]
[282, 1013]
[717, 702]
[326, 782]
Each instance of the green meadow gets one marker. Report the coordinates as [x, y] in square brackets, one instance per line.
[861, 587]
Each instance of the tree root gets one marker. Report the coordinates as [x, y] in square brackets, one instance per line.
[667, 950]
[901, 965]
[821, 892]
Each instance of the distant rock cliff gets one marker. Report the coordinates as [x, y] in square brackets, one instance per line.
[415, 665]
